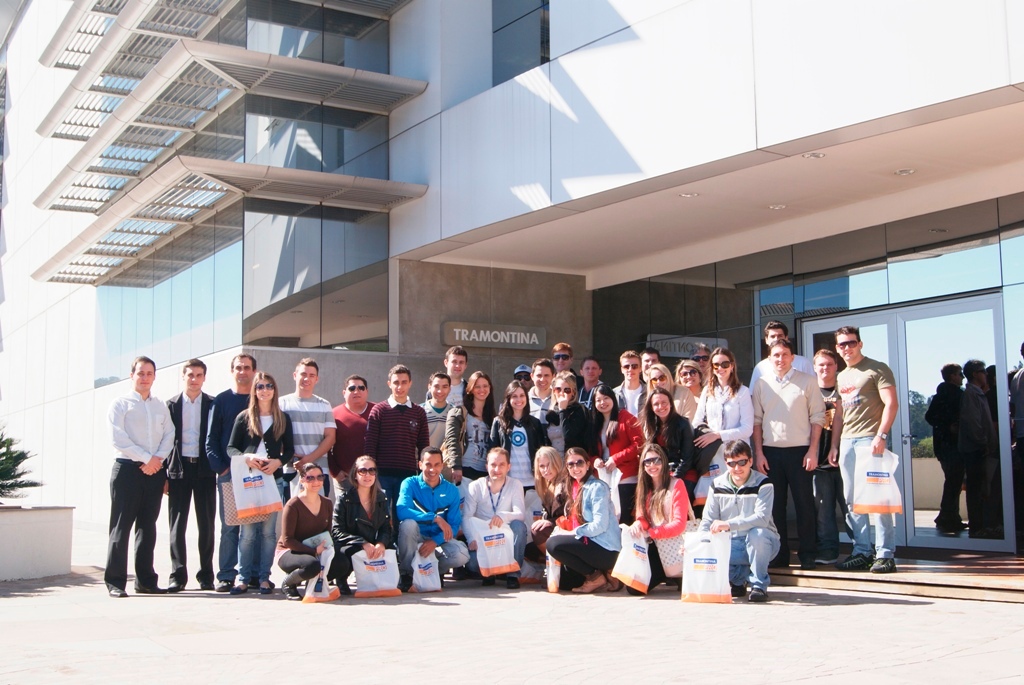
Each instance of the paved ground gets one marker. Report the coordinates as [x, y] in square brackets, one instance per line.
[66, 630]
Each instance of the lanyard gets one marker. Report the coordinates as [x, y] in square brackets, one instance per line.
[495, 503]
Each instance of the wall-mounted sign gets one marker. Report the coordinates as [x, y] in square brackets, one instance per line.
[493, 335]
[682, 347]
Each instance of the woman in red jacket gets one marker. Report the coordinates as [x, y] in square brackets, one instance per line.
[619, 439]
[662, 506]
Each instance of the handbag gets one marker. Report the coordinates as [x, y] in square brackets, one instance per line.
[227, 496]
[495, 553]
[671, 551]
[377, 577]
[706, 568]
[875, 490]
[633, 566]
[426, 576]
[317, 589]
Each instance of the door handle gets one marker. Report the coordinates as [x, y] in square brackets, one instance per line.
[907, 438]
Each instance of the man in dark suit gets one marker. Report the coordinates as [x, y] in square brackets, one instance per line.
[190, 478]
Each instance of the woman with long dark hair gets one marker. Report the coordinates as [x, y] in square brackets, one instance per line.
[306, 515]
[661, 424]
[263, 435]
[362, 521]
[662, 507]
[595, 543]
[518, 432]
[658, 376]
[468, 429]
[619, 438]
[725, 405]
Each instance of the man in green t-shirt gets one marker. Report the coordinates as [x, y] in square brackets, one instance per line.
[868, 392]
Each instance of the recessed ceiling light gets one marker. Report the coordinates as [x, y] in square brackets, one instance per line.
[689, 194]
[937, 230]
[813, 155]
[337, 301]
[776, 206]
[904, 172]
[296, 311]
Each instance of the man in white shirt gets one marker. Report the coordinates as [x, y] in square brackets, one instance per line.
[540, 394]
[313, 425]
[499, 500]
[143, 435]
[631, 393]
[776, 330]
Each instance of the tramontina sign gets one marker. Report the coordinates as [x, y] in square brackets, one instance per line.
[493, 335]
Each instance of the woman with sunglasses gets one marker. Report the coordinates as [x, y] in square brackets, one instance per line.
[307, 514]
[662, 425]
[725, 405]
[549, 481]
[521, 434]
[658, 376]
[662, 506]
[568, 420]
[468, 429]
[619, 439]
[362, 522]
[689, 375]
[594, 546]
[263, 435]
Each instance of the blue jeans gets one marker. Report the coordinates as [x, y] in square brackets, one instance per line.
[828, 492]
[451, 554]
[392, 485]
[860, 524]
[257, 544]
[228, 553]
[519, 549]
[749, 557]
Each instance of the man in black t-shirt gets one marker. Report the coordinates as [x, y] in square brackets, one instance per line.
[828, 480]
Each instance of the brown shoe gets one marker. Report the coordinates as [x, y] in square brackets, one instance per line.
[614, 584]
[595, 582]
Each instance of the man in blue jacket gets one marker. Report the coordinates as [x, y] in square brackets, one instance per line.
[429, 517]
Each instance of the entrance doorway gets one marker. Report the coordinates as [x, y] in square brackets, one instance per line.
[916, 341]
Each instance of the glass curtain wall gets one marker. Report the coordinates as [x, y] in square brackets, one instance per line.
[521, 39]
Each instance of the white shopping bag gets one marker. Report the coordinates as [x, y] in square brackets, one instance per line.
[715, 469]
[553, 567]
[706, 568]
[534, 512]
[318, 589]
[255, 492]
[612, 478]
[633, 567]
[532, 573]
[426, 575]
[495, 553]
[875, 490]
[376, 577]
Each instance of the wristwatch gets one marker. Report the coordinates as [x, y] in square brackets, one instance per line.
[883, 436]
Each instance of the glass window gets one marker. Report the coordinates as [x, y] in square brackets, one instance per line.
[944, 270]
[520, 46]
[1011, 252]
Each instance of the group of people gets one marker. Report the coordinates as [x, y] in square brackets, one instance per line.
[536, 456]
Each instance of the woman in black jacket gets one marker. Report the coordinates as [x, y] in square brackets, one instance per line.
[362, 522]
[569, 417]
[662, 424]
[518, 432]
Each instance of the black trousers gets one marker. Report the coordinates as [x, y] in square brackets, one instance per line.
[627, 501]
[135, 500]
[974, 471]
[299, 567]
[952, 465]
[786, 472]
[181, 493]
[584, 556]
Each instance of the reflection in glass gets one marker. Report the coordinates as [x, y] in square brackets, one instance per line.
[1011, 248]
[520, 46]
[944, 270]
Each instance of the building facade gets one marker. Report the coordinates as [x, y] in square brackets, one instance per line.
[195, 177]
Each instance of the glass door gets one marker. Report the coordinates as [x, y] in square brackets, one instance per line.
[916, 342]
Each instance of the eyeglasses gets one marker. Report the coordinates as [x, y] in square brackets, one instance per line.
[313, 479]
[370, 471]
[575, 464]
[691, 372]
[522, 376]
[264, 386]
[738, 464]
[652, 460]
[634, 365]
[847, 343]
[657, 379]
[700, 357]
[721, 365]
[353, 388]
[560, 357]
[563, 390]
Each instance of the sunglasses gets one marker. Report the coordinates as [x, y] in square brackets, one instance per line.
[575, 464]
[738, 464]
[691, 372]
[561, 357]
[700, 357]
[313, 479]
[264, 386]
[651, 460]
[847, 343]
[657, 379]
[563, 390]
[721, 365]
[522, 376]
[634, 365]
[353, 388]
[367, 471]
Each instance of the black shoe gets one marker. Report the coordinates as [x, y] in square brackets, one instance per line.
[460, 573]
[343, 587]
[116, 592]
[239, 589]
[757, 595]
[174, 587]
[488, 581]
[223, 586]
[267, 589]
[142, 590]
[633, 591]
[405, 583]
[780, 561]
[884, 566]
[855, 562]
[254, 581]
[738, 590]
[291, 592]
[207, 587]
[512, 583]
[807, 563]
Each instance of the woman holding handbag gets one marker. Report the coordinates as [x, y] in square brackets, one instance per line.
[596, 540]
[307, 515]
[662, 511]
[262, 436]
[468, 429]
[362, 522]
[619, 439]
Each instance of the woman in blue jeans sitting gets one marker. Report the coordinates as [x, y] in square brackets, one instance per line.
[262, 435]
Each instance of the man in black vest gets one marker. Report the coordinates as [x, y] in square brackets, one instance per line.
[190, 478]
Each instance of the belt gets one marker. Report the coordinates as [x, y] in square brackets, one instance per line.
[122, 460]
[191, 460]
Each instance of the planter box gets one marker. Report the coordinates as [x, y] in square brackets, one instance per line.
[36, 541]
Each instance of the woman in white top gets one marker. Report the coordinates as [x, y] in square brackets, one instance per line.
[725, 405]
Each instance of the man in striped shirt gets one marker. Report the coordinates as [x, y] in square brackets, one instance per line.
[313, 425]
